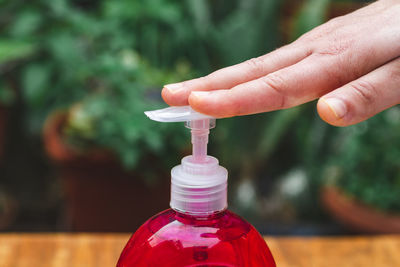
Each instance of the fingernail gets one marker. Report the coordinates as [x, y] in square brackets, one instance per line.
[200, 94]
[337, 106]
[173, 87]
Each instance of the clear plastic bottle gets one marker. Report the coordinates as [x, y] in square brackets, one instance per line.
[198, 230]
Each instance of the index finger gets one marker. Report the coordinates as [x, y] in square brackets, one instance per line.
[177, 94]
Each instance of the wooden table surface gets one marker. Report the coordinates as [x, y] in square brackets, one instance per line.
[74, 250]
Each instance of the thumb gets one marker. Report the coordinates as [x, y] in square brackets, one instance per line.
[362, 98]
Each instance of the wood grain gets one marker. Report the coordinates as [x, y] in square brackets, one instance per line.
[87, 250]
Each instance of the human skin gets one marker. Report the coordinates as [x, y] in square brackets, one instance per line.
[351, 63]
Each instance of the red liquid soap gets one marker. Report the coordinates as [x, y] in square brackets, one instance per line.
[173, 239]
[198, 230]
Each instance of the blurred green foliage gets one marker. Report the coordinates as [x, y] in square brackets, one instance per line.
[113, 118]
[365, 161]
[105, 61]
[86, 55]
[311, 14]
[108, 60]
[11, 51]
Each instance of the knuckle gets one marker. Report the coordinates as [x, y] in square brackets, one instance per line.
[333, 39]
[394, 71]
[338, 47]
[337, 64]
[365, 92]
[275, 82]
[255, 64]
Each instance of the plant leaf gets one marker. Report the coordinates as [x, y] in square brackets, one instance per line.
[13, 49]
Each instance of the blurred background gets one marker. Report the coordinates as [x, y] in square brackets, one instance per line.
[78, 154]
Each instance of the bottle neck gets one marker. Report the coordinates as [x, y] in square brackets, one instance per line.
[190, 214]
[198, 219]
[199, 188]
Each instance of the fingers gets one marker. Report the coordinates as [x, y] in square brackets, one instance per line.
[362, 98]
[285, 88]
[327, 58]
[177, 94]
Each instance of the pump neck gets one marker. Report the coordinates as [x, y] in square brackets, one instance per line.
[200, 130]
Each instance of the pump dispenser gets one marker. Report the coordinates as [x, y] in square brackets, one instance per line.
[198, 230]
[199, 184]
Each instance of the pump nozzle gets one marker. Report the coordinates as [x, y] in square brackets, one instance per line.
[199, 123]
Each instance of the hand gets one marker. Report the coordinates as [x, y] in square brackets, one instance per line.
[351, 63]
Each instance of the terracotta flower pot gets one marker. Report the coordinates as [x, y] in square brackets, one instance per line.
[358, 216]
[100, 195]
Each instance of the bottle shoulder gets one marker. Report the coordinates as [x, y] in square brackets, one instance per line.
[224, 226]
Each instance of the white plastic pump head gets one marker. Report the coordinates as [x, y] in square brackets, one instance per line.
[176, 114]
[199, 123]
[199, 184]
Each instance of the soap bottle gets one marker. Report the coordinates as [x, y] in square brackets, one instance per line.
[198, 230]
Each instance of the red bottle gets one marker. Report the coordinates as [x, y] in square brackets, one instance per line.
[174, 239]
[198, 230]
